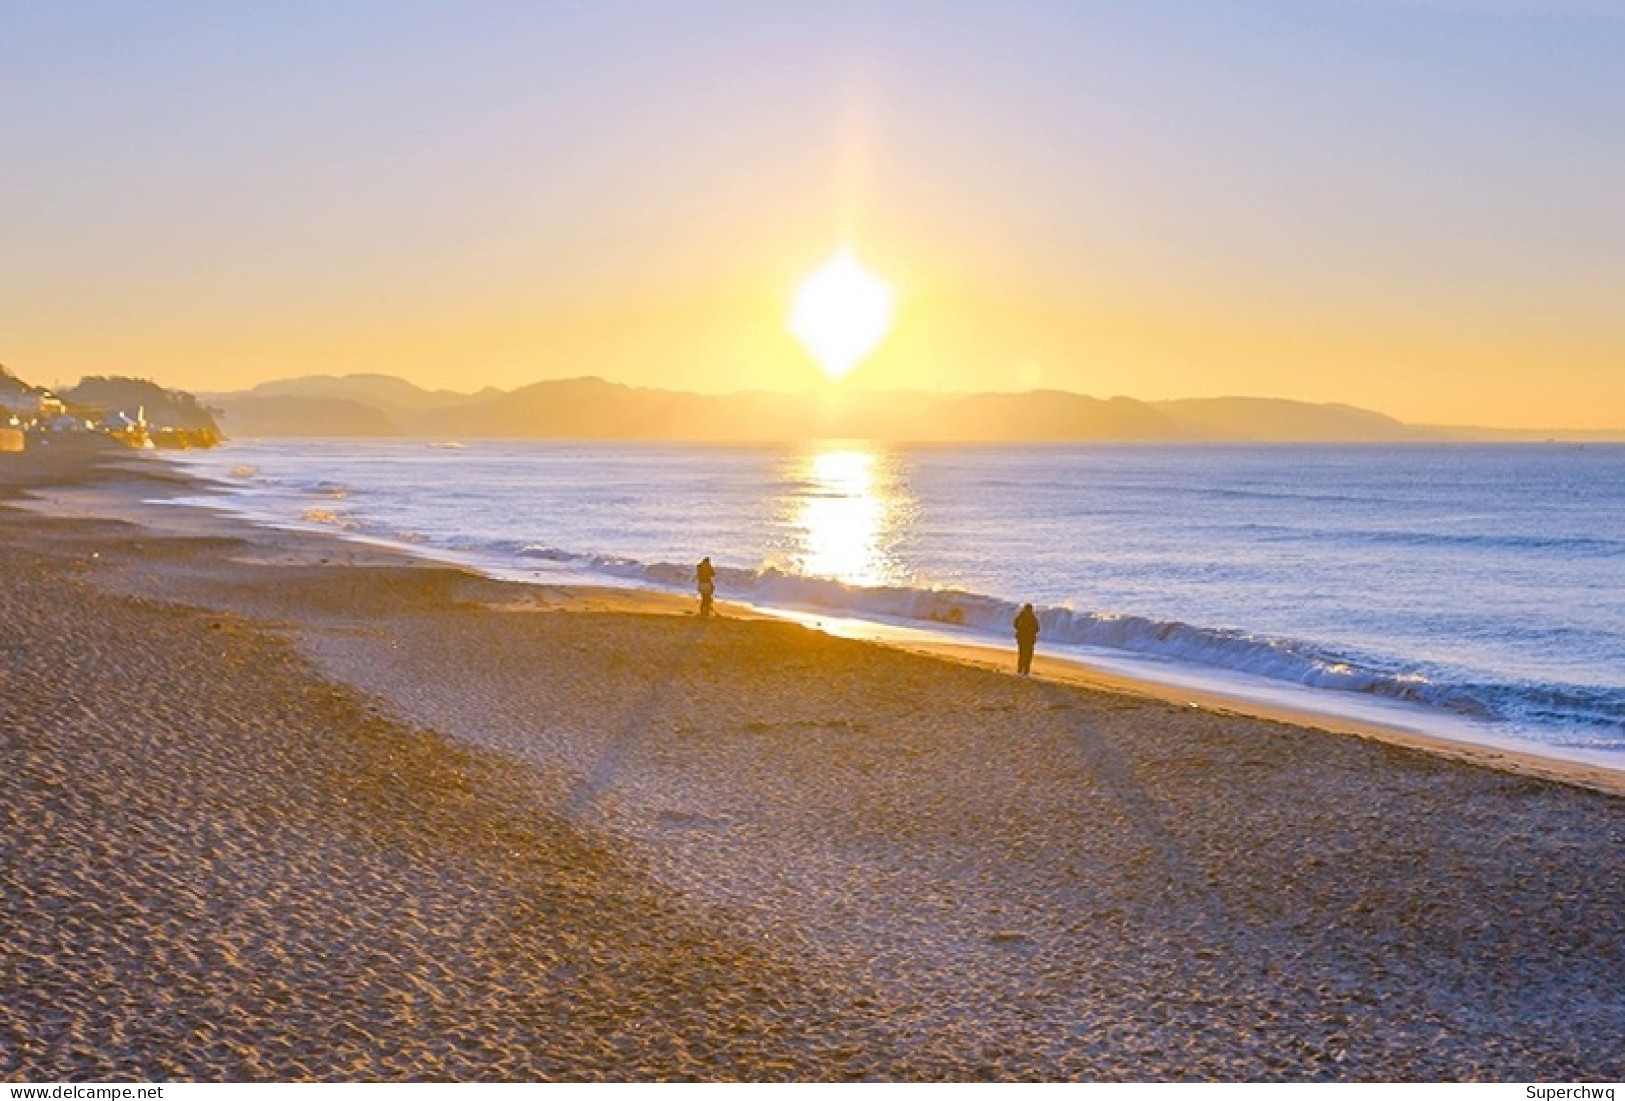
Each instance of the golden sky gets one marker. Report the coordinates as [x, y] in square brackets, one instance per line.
[1411, 207]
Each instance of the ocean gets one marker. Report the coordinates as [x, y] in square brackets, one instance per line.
[1474, 592]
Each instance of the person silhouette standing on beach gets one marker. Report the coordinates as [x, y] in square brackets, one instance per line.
[705, 576]
[1026, 625]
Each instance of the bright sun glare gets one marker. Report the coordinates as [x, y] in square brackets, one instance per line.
[841, 313]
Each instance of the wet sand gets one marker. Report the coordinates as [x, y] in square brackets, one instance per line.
[282, 807]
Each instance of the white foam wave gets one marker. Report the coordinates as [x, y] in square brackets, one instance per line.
[1597, 713]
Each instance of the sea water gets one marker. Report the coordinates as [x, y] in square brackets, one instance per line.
[1472, 591]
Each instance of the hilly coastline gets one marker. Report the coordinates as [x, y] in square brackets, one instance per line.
[370, 405]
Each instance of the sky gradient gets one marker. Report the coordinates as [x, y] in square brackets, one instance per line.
[1416, 207]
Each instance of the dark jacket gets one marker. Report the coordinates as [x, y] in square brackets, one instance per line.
[1026, 625]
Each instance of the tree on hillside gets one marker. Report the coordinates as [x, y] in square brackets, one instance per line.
[9, 381]
[164, 408]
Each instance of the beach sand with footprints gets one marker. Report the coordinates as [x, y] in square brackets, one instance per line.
[279, 806]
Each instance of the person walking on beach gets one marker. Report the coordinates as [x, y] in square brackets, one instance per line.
[1026, 625]
[705, 576]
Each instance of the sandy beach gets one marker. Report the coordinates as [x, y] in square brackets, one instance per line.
[283, 807]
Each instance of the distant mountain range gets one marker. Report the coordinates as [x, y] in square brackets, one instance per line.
[591, 408]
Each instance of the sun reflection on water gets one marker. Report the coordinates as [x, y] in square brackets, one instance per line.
[850, 510]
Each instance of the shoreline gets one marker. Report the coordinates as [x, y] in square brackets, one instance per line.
[1582, 768]
[293, 808]
[224, 867]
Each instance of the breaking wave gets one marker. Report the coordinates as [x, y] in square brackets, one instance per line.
[1596, 713]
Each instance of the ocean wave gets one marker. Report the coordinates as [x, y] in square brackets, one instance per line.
[1586, 545]
[1597, 713]
[329, 518]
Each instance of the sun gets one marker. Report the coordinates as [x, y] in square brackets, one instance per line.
[841, 313]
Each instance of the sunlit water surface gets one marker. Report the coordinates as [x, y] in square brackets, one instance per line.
[1474, 591]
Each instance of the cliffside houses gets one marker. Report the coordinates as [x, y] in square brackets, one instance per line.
[37, 415]
[34, 416]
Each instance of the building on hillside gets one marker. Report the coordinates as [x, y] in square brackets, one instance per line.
[128, 430]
